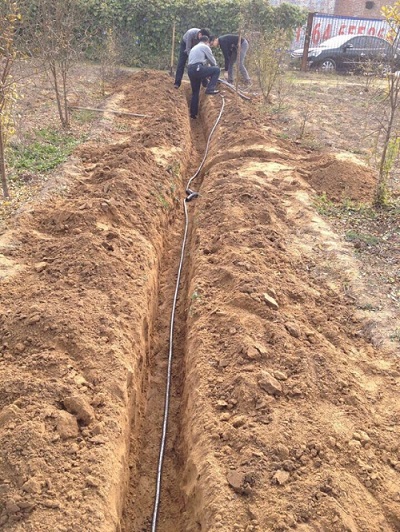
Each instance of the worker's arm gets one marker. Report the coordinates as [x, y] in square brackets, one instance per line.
[189, 37]
[225, 49]
[209, 56]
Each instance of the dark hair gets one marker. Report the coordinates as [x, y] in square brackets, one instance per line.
[213, 37]
[204, 38]
[205, 31]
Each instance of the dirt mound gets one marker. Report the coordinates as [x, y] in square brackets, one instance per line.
[282, 386]
[73, 343]
[340, 177]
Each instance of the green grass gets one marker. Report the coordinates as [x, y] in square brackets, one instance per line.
[324, 205]
[163, 202]
[84, 116]
[45, 150]
[346, 207]
[395, 336]
[284, 136]
[174, 169]
[370, 240]
[368, 306]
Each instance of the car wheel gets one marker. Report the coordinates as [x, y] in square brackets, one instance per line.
[327, 65]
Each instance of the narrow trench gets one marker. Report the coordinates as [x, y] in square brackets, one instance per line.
[145, 447]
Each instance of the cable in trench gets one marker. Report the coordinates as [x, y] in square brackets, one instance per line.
[190, 194]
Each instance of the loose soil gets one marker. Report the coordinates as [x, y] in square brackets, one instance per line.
[285, 380]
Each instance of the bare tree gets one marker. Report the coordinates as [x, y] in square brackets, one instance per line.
[390, 142]
[60, 39]
[108, 55]
[9, 20]
[268, 57]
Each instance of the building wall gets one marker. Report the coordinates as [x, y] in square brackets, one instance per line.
[320, 6]
[345, 8]
[361, 8]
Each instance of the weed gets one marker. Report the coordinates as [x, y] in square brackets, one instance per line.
[46, 149]
[350, 206]
[368, 306]
[324, 205]
[356, 151]
[122, 127]
[84, 116]
[275, 110]
[163, 202]
[311, 144]
[305, 115]
[174, 169]
[195, 299]
[370, 240]
[283, 135]
[395, 336]
[195, 296]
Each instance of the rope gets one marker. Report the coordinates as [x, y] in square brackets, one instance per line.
[190, 195]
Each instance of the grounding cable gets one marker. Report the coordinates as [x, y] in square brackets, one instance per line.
[190, 194]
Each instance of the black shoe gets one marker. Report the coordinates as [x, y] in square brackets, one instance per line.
[193, 116]
[214, 91]
[176, 86]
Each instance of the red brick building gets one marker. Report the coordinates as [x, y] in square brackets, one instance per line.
[344, 8]
[319, 6]
[361, 8]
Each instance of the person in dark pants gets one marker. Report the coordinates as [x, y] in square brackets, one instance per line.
[229, 45]
[199, 57]
[190, 39]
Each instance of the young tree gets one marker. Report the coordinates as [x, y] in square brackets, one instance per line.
[108, 57]
[391, 141]
[271, 30]
[9, 20]
[59, 38]
[269, 59]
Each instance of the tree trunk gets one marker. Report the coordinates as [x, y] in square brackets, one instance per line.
[53, 70]
[64, 70]
[4, 185]
[381, 189]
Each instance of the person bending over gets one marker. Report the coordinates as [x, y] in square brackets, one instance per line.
[190, 39]
[200, 57]
[229, 46]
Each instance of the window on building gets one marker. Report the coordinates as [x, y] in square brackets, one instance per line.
[369, 5]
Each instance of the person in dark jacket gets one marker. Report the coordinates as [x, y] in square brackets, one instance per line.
[229, 45]
[199, 71]
[190, 39]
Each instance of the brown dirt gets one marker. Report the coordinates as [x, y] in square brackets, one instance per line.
[285, 400]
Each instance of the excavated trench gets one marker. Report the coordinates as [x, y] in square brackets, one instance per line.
[145, 447]
[283, 415]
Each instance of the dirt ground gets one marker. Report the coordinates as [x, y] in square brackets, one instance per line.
[284, 408]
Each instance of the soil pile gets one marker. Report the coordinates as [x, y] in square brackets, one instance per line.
[79, 281]
[340, 178]
[296, 408]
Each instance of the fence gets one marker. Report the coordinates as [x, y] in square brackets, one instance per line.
[326, 26]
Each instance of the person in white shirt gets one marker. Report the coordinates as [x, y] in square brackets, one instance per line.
[200, 57]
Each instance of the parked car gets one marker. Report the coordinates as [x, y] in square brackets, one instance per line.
[352, 53]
